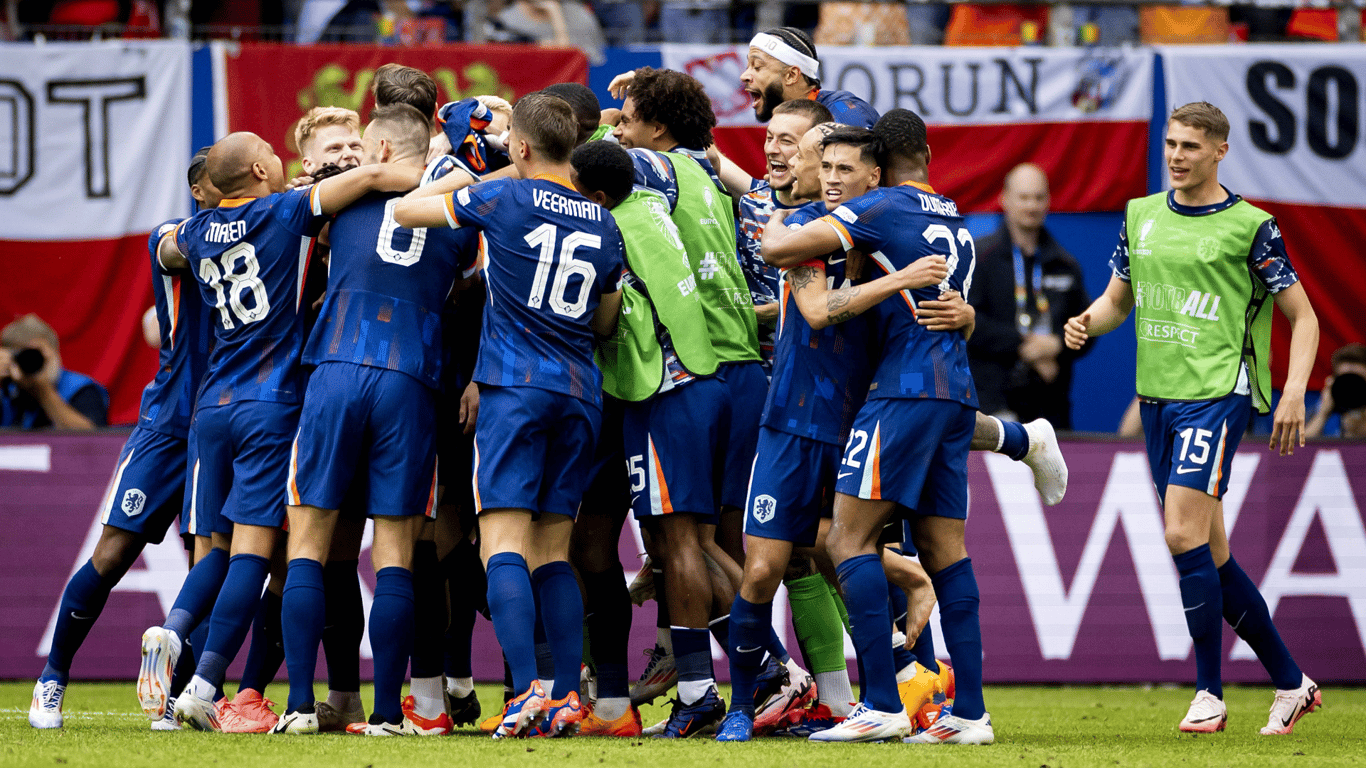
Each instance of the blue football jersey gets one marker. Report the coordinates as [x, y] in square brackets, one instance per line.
[848, 109]
[549, 254]
[185, 324]
[897, 226]
[820, 378]
[251, 259]
[386, 286]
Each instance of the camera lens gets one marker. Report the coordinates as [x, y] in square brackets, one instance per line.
[30, 361]
[1349, 392]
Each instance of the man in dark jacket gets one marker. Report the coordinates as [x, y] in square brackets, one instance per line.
[1024, 289]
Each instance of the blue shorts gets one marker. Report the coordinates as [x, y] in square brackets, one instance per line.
[922, 443]
[148, 488]
[533, 450]
[791, 488]
[676, 450]
[242, 461]
[748, 390]
[194, 520]
[370, 424]
[1192, 444]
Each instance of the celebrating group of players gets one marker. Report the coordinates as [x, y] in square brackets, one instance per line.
[770, 375]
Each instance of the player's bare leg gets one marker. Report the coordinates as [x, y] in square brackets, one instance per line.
[1035, 443]
[677, 538]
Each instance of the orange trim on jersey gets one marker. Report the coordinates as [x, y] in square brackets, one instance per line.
[174, 298]
[838, 225]
[813, 93]
[919, 186]
[449, 201]
[294, 471]
[562, 181]
[876, 489]
[234, 202]
[431, 495]
[478, 503]
[665, 505]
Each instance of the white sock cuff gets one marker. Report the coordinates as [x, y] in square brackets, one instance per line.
[1000, 434]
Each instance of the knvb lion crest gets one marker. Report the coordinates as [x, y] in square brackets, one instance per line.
[765, 507]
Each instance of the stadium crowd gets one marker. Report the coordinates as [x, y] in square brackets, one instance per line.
[591, 25]
[771, 375]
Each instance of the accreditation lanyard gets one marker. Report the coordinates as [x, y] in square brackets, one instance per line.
[1043, 323]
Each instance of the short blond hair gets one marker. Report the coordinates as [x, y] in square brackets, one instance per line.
[1205, 116]
[321, 117]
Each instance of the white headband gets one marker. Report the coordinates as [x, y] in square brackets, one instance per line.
[775, 46]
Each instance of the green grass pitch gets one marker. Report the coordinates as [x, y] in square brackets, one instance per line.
[1035, 727]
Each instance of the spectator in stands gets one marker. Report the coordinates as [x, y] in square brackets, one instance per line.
[1343, 397]
[1024, 289]
[562, 23]
[694, 21]
[35, 391]
[624, 21]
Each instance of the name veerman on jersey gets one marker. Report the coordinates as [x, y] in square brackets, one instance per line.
[583, 209]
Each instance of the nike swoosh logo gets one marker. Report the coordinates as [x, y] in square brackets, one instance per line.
[840, 260]
[634, 496]
[79, 617]
[843, 475]
[1207, 719]
[749, 650]
[1186, 470]
[1188, 610]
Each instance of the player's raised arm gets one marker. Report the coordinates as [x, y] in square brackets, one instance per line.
[1288, 428]
[823, 307]
[333, 194]
[413, 212]
[1104, 315]
[738, 182]
[168, 253]
[785, 248]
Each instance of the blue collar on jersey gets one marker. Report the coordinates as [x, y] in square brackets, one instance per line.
[1202, 210]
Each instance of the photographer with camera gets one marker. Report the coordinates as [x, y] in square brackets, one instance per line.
[1343, 395]
[35, 391]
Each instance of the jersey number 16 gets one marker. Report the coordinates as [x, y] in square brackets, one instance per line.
[544, 236]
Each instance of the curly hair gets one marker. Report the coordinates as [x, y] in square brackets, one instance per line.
[676, 101]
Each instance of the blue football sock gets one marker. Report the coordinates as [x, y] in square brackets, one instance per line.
[514, 615]
[232, 615]
[199, 637]
[198, 593]
[267, 650]
[391, 618]
[545, 658]
[562, 614]
[750, 627]
[775, 643]
[720, 630]
[82, 601]
[462, 561]
[1245, 610]
[345, 625]
[923, 650]
[1204, 604]
[303, 615]
[864, 586]
[429, 623]
[1015, 444]
[692, 655]
[896, 606]
[607, 609]
[185, 665]
[956, 588]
